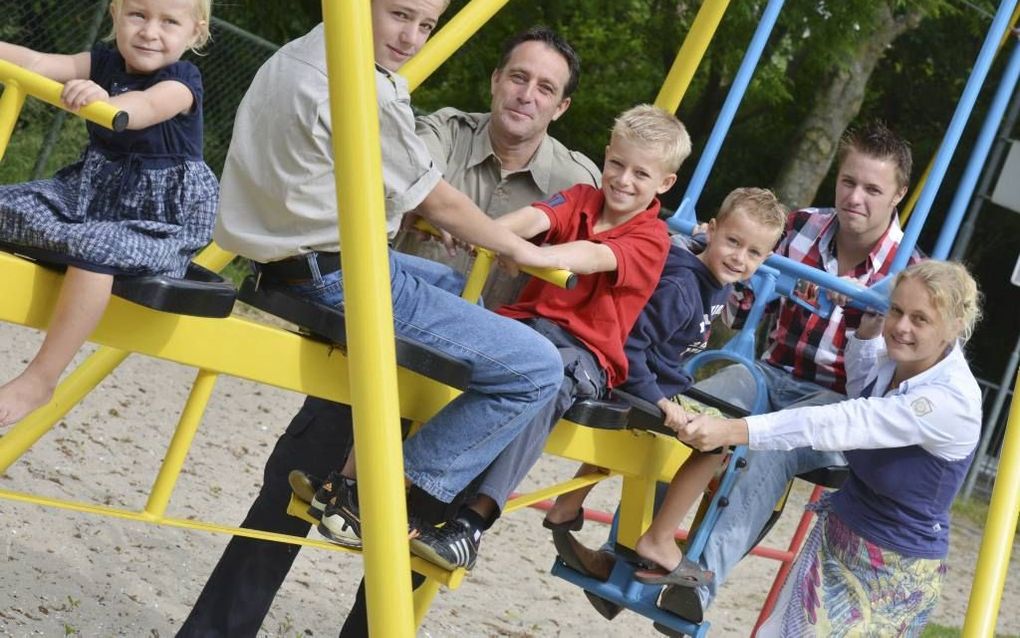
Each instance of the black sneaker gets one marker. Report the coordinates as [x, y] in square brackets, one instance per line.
[317, 504]
[451, 546]
[341, 521]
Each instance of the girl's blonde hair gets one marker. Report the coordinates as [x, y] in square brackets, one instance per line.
[203, 14]
[953, 291]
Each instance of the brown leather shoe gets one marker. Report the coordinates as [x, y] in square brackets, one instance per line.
[596, 564]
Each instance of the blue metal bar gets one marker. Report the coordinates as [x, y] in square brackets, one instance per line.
[979, 156]
[686, 210]
[953, 133]
[740, 349]
[622, 589]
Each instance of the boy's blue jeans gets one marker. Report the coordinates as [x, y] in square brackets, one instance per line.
[760, 485]
[515, 371]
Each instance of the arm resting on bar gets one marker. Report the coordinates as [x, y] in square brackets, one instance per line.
[47, 90]
[555, 276]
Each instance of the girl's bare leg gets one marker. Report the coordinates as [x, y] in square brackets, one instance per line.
[83, 298]
[658, 544]
[566, 505]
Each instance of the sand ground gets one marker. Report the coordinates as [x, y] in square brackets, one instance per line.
[66, 573]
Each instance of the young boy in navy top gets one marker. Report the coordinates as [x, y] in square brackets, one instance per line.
[675, 323]
[616, 243]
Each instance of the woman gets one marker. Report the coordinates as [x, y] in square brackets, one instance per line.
[875, 560]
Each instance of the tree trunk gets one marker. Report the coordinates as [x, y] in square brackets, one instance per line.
[835, 106]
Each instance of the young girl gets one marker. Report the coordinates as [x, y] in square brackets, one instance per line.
[875, 561]
[137, 202]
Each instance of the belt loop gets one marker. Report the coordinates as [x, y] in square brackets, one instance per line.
[313, 267]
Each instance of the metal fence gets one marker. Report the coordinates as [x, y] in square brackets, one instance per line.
[228, 64]
[982, 475]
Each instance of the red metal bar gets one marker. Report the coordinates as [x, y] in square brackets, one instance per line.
[781, 555]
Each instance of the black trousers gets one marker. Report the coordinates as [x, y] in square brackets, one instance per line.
[242, 586]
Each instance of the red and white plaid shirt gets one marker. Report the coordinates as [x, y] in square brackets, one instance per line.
[802, 343]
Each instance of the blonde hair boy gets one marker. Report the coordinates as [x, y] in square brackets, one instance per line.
[647, 125]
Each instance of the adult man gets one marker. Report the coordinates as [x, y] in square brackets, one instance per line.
[240, 590]
[505, 159]
[803, 364]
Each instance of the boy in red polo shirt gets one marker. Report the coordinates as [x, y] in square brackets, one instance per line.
[614, 240]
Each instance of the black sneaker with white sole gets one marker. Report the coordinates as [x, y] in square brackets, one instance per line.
[322, 496]
[451, 546]
[341, 520]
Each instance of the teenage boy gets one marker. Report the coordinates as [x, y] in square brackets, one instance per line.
[617, 244]
[278, 209]
[471, 149]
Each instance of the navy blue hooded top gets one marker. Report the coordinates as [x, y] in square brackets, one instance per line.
[674, 324]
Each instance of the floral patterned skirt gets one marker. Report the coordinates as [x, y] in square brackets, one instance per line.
[844, 585]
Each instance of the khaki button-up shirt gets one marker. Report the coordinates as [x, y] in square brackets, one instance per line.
[461, 148]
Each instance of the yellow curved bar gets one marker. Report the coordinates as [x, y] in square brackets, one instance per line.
[555, 276]
[448, 40]
[908, 208]
[364, 254]
[1009, 34]
[1000, 529]
[48, 91]
[11, 101]
[214, 258]
[689, 57]
[477, 276]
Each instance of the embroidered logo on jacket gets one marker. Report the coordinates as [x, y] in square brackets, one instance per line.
[921, 406]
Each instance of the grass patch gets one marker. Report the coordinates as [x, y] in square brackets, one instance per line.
[236, 271]
[938, 631]
[973, 510]
[27, 141]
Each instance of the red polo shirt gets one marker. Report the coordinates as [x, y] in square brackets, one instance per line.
[602, 308]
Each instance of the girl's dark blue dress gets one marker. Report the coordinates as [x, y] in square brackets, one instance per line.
[136, 202]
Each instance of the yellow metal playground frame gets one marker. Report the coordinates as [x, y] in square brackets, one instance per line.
[233, 346]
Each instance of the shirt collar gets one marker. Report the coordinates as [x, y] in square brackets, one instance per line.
[953, 359]
[590, 210]
[540, 166]
[884, 247]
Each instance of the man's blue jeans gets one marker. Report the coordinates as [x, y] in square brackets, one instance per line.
[760, 485]
[515, 371]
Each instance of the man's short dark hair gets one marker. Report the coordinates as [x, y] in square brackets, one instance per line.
[553, 40]
[874, 139]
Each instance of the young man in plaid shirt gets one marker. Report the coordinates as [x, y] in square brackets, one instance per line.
[803, 363]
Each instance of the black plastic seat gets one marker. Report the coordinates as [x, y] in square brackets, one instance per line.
[830, 477]
[603, 414]
[202, 293]
[329, 324]
[622, 410]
